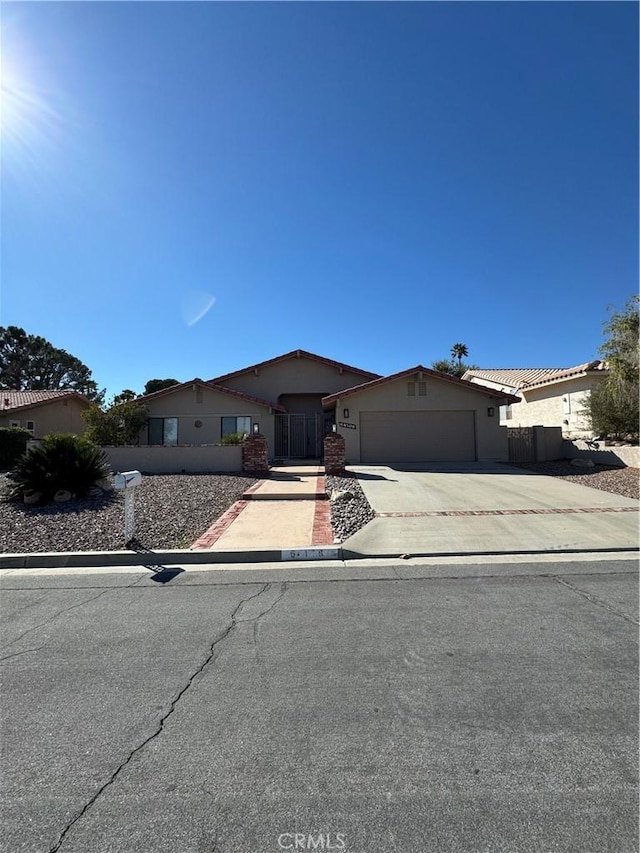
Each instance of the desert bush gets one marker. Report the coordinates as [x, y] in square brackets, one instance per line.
[60, 462]
[232, 438]
[118, 425]
[13, 443]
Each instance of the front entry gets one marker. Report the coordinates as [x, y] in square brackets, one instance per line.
[299, 436]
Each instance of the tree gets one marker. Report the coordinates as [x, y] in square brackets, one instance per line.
[459, 351]
[612, 407]
[159, 385]
[31, 363]
[125, 396]
[116, 426]
[621, 350]
[452, 367]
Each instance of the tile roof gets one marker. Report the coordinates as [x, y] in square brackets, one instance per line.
[472, 386]
[527, 377]
[10, 401]
[297, 353]
[213, 386]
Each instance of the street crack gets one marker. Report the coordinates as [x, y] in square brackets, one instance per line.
[65, 610]
[597, 601]
[209, 657]
[23, 652]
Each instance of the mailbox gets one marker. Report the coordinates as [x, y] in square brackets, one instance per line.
[127, 480]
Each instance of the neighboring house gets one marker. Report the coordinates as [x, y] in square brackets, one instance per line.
[547, 396]
[42, 412]
[296, 398]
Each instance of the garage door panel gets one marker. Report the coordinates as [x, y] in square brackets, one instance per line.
[446, 436]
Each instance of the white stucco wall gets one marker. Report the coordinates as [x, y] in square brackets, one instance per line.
[560, 404]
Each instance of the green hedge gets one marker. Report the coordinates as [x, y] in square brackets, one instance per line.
[13, 443]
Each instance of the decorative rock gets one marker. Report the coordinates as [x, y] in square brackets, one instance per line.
[348, 515]
[62, 496]
[583, 463]
[337, 495]
[31, 496]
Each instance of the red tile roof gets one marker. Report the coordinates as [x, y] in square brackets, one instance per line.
[527, 377]
[213, 386]
[11, 401]
[298, 353]
[472, 386]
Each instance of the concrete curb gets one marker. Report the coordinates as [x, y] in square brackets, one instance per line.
[357, 555]
[106, 559]
[92, 559]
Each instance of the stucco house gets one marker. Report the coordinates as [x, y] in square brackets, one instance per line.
[43, 412]
[420, 415]
[296, 398]
[547, 396]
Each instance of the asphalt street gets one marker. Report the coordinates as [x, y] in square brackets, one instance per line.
[489, 707]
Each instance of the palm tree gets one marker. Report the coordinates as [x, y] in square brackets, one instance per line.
[459, 351]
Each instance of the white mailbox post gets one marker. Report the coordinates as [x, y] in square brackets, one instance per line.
[128, 481]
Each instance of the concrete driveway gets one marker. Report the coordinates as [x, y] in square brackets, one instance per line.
[480, 508]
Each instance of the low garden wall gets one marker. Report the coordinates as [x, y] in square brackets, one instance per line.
[600, 454]
[176, 460]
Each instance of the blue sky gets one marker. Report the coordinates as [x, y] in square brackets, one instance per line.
[373, 182]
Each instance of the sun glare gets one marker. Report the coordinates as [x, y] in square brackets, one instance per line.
[29, 123]
[25, 115]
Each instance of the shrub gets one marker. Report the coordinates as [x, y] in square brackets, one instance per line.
[13, 443]
[60, 462]
[117, 426]
[232, 438]
[612, 408]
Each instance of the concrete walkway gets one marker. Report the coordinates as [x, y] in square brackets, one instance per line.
[287, 510]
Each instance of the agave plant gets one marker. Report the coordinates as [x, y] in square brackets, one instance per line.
[60, 462]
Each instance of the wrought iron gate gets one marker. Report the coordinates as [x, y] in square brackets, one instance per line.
[299, 436]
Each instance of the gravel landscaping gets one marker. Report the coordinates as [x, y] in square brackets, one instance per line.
[350, 510]
[619, 481]
[172, 511]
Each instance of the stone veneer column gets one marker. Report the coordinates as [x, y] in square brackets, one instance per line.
[334, 453]
[255, 454]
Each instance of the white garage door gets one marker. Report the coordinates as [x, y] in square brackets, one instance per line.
[417, 437]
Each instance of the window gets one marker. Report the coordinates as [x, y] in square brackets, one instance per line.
[163, 431]
[14, 423]
[31, 426]
[411, 389]
[506, 413]
[234, 424]
[422, 389]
